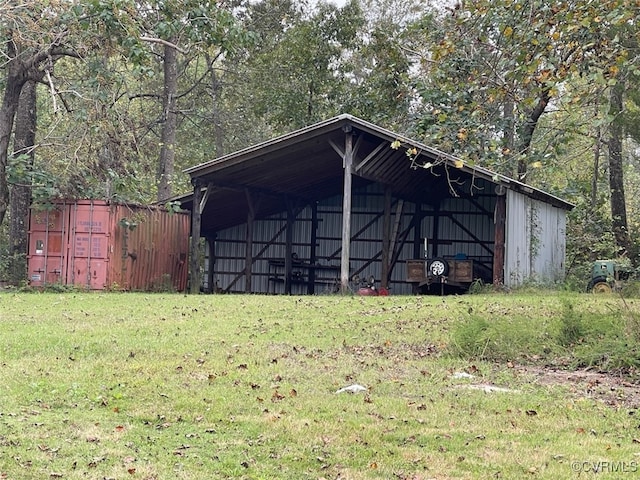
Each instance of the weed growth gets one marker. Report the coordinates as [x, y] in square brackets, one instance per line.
[499, 338]
[571, 325]
[606, 339]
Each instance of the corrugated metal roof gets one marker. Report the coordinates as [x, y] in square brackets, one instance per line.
[306, 165]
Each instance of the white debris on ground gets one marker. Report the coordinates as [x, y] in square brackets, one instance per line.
[485, 387]
[355, 388]
[488, 388]
[462, 375]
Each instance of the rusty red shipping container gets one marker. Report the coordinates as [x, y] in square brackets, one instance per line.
[100, 245]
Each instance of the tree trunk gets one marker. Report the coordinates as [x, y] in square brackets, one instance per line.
[526, 135]
[13, 85]
[18, 70]
[616, 169]
[169, 123]
[23, 144]
[509, 139]
[596, 162]
[216, 88]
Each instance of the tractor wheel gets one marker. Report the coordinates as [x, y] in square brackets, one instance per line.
[602, 287]
[599, 285]
[593, 282]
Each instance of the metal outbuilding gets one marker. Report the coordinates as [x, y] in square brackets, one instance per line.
[309, 211]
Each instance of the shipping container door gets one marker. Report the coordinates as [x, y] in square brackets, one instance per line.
[88, 243]
[47, 243]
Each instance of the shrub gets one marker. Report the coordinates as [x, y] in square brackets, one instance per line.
[571, 326]
[499, 339]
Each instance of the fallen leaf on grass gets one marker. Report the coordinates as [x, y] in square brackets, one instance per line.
[94, 463]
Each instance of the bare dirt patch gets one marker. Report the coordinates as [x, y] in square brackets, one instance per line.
[611, 389]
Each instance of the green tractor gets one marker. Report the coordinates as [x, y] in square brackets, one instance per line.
[607, 276]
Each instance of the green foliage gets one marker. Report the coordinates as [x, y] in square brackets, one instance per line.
[21, 172]
[603, 337]
[5, 260]
[571, 326]
[471, 338]
[479, 287]
[382, 66]
[608, 354]
[497, 64]
[498, 339]
[295, 68]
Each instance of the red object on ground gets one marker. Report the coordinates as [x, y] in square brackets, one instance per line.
[367, 292]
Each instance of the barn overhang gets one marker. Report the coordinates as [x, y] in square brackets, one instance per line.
[326, 159]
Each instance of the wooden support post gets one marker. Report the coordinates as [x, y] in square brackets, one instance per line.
[499, 237]
[436, 230]
[418, 240]
[312, 252]
[211, 243]
[396, 228]
[288, 256]
[345, 258]
[386, 238]
[249, 242]
[196, 223]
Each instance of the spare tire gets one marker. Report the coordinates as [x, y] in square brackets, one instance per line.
[438, 267]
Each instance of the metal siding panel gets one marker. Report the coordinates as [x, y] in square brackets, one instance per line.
[469, 218]
[548, 229]
[535, 241]
[517, 264]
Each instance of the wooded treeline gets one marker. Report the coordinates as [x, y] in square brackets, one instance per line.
[111, 99]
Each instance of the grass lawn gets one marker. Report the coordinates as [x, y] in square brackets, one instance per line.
[167, 386]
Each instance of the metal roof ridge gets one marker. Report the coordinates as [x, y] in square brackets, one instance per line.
[271, 141]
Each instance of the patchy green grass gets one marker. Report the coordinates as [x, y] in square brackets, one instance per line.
[166, 386]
